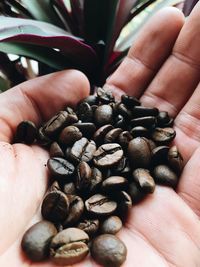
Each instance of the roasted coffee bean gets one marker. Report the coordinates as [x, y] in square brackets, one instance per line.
[165, 176]
[100, 205]
[69, 135]
[136, 193]
[104, 96]
[139, 152]
[112, 135]
[151, 144]
[124, 138]
[147, 122]
[163, 135]
[118, 169]
[26, 132]
[114, 183]
[103, 115]
[83, 150]
[175, 159]
[69, 246]
[76, 208]
[108, 250]
[125, 170]
[55, 206]
[111, 225]
[130, 101]
[84, 112]
[120, 122]
[100, 134]
[139, 131]
[141, 111]
[124, 111]
[69, 188]
[96, 179]
[42, 138]
[144, 179]
[124, 205]
[60, 168]
[159, 154]
[83, 179]
[87, 128]
[169, 123]
[89, 226]
[68, 153]
[58, 122]
[56, 150]
[36, 240]
[91, 100]
[163, 118]
[54, 187]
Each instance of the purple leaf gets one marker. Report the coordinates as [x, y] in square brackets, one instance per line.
[77, 7]
[188, 6]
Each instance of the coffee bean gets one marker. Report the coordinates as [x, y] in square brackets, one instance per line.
[108, 250]
[175, 159]
[69, 246]
[120, 122]
[147, 122]
[83, 179]
[55, 206]
[56, 150]
[108, 155]
[111, 225]
[42, 138]
[139, 131]
[144, 179]
[165, 176]
[91, 100]
[139, 152]
[69, 188]
[136, 193]
[76, 208]
[130, 101]
[124, 111]
[89, 226]
[83, 150]
[100, 205]
[124, 205]
[159, 154]
[54, 187]
[163, 135]
[100, 134]
[84, 112]
[124, 138]
[35, 242]
[112, 135]
[26, 132]
[141, 111]
[114, 183]
[87, 128]
[96, 179]
[104, 96]
[163, 118]
[69, 135]
[60, 168]
[103, 115]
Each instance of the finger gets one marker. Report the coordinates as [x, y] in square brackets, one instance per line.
[39, 99]
[147, 54]
[179, 75]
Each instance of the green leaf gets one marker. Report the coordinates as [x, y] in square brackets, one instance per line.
[4, 84]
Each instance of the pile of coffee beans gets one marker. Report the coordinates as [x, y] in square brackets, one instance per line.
[105, 156]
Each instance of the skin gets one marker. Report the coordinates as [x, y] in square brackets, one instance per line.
[162, 68]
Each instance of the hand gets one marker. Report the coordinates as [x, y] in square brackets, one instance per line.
[164, 229]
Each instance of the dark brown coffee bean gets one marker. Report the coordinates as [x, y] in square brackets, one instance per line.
[54, 187]
[42, 138]
[84, 112]
[69, 135]
[139, 131]
[114, 183]
[163, 135]
[108, 250]
[124, 205]
[159, 154]
[136, 193]
[26, 132]
[103, 115]
[118, 169]
[91, 100]
[69, 246]
[101, 133]
[55, 206]
[58, 122]
[36, 240]
[169, 123]
[139, 152]
[111, 225]
[112, 135]
[87, 128]
[96, 179]
[104, 96]
[124, 138]
[141, 111]
[151, 143]
[83, 150]
[120, 122]
[83, 179]
[108, 155]
[163, 118]
[130, 101]
[89, 226]
[76, 208]
[69, 188]
[175, 159]
[165, 176]
[147, 122]
[60, 168]
[144, 179]
[56, 150]
[100, 205]
[124, 111]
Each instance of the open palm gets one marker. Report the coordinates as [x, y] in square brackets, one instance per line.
[163, 69]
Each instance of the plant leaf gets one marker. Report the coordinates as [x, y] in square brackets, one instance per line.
[4, 84]
[188, 6]
[19, 7]
[77, 7]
